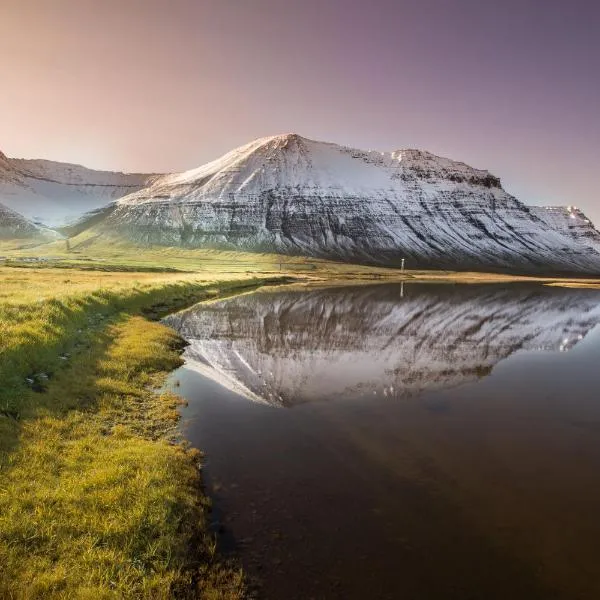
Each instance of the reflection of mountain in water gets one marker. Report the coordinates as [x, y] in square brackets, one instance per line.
[290, 347]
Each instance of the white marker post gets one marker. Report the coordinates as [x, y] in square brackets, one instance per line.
[402, 266]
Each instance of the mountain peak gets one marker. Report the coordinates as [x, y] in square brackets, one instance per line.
[289, 137]
[291, 161]
[281, 141]
[426, 163]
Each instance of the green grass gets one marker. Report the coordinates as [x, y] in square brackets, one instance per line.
[101, 251]
[98, 496]
[93, 250]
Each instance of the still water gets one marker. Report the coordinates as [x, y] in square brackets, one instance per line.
[405, 442]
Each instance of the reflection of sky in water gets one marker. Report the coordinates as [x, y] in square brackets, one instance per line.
[290, 347]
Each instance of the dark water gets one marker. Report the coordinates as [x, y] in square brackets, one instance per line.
[407, 442]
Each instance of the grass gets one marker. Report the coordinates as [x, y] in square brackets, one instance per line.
[91, 250]
[98, 496]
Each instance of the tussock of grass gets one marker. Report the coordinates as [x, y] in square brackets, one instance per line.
[97, 496]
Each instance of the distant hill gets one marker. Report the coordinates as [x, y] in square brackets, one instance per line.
[55, 194]
[14, 226]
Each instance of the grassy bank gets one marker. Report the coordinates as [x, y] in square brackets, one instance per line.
[98, 499]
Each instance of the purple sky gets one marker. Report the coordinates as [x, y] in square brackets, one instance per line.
[155, 85]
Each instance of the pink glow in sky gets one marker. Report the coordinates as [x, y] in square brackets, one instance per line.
[166, 85]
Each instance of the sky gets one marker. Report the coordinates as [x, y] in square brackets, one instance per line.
[512, 86]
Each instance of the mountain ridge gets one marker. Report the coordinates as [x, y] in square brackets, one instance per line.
[53, 194]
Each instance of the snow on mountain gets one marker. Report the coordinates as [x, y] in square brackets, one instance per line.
[54, 193]
[571, 221]
[292, 195]
[14, 226]
[290, 347]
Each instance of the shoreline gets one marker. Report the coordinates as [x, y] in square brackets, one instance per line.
[104, 451]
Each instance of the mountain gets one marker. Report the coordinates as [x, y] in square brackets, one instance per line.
[292, 195]
[290, 347]
[14, 226]
[571, 221]
[54, 193]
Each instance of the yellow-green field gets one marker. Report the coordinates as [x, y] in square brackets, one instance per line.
[93, 251]
[101, 251]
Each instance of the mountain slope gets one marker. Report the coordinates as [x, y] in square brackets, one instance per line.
[570, 221]
[54, 193]
[14, 226]
[292, 195]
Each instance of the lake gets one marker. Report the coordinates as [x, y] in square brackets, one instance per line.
[413, 441]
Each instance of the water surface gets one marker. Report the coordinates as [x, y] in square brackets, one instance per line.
[388, 441]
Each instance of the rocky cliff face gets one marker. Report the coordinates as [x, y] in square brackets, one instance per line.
[296, 196]
[286, 348]
[54, 193]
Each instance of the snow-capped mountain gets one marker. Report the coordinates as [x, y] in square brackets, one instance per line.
[54, 194]
[14, 226]
[292, 195]
[286, 348]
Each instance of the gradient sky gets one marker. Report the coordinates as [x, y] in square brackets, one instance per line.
[166, 85]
